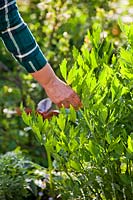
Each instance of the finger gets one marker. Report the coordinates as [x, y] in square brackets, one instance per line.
[60, 105]
[75, 100]
[70, 101]
[65, 104]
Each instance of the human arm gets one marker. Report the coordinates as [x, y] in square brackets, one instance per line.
[57, 90]
[20, 42]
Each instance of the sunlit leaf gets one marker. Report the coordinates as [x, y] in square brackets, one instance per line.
[130, 144]
[63, 69]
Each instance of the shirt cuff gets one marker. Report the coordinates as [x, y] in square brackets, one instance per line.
[35, 63]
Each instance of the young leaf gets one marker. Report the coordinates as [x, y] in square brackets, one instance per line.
[130, 144]
[63, 69]
[105, 74]
[37, 132]
[113, 144]
[75, 53]
[61, 121]
[75, 165]
[96, 34]
[26, 118]
[92, 148]
[72, 74]
[103, 113]
[108, 138]
[80, 60]
[93, 59]
[72, 114]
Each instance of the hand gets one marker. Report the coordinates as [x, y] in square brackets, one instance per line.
[59, 92]
[62, 94]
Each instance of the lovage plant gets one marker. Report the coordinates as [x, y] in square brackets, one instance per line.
[90, 152]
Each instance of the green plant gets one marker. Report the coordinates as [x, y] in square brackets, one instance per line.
[49, 21]
[57, 26]
[92, 149]
[21, 179]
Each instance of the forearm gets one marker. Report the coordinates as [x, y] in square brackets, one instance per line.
[18, 39]
[45, 76]
[20, 42]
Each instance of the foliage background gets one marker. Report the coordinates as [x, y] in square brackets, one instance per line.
[57, 26]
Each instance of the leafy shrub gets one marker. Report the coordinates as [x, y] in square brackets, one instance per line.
[49, 21]
[15, 87]
[92, 149]
[57, 26]
[21, 179]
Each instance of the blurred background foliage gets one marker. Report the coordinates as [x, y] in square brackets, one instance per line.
[57, 26]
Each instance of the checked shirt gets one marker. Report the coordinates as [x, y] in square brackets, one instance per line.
[18, 39]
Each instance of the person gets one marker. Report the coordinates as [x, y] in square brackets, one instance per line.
[19, 40]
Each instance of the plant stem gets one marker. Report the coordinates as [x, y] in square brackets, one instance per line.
[50, 170]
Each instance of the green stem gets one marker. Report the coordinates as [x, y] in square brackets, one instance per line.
[50, 170]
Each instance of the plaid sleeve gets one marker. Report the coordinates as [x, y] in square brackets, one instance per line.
[18, 39]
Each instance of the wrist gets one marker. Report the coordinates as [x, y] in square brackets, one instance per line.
[45, 76]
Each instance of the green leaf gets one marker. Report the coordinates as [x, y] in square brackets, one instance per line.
[26, 118]
[61, 121]
[86, 54]
[103, 113]
[93, 59]
[58, 147]
[108, 138]
[63, 69]
[73, 132]
[75, 165]
[40, 121]
[73, 145]
[126, 179]
[121, 25]
[83, 139]
[126, 72]
[96, 34]
[63, 137]
[105, 74]
[72, 114]
[80, 60]
[91, 81]
[114, 143]
[72, 74]
[125, 90]
[92, 148]
[115, 88]
[37, 132]
[75, 53]
[126, 56]
[130, 144]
